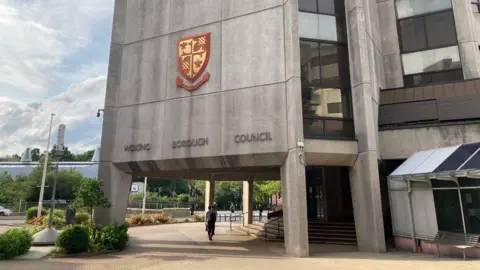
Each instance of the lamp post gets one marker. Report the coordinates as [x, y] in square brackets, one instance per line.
[49, 235]
[44, 175]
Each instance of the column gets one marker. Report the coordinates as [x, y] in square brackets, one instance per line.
[363, 46]
[248, 202]
[116, 187]
[465, 25]
[209, 192]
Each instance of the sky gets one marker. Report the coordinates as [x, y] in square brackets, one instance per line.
[53, 59]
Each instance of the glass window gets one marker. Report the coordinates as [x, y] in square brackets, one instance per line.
[307, 5]
[436, 77]
[326, 102]
[440, 30]
[447, 207]
[334, 65]
[321, 27]
[412, 34]
[471, 208]
[408, 8]
[310, 63]
[431, 60]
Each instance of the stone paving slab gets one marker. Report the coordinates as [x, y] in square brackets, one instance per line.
[186, 246]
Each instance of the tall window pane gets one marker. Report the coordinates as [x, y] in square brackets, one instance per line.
[412, 35]
[310, 63]
[440, 30]
[318, 26]
[431, 60]
[326, 102]
[471, 208]
[447, 207]
[408, 8]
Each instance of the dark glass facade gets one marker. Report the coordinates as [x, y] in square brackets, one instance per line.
[325, 74]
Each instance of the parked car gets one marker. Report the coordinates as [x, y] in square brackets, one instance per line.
[5, 212]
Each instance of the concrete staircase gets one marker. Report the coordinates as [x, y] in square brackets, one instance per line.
[319, 232]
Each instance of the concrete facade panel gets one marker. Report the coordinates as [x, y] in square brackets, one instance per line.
[197, 119]
[235, 8]
[119, 21]
[259, 112]
[146, 19]
[114, 75]
[214, 64]
[144, 71]
[244, 64]
[185, 14]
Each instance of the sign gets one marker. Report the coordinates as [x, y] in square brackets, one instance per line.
[137, 147]
[190, 143]
[252, 137]
[193, 55]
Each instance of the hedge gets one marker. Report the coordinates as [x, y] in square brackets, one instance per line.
[14, 242]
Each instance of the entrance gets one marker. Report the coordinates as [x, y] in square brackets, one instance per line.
[328, 194]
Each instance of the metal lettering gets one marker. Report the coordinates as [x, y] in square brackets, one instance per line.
[190, 143]
[137, 147]
[253, 137]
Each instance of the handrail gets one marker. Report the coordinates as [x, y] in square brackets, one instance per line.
[277, 219]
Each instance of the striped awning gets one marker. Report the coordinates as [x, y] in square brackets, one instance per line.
[441, 163]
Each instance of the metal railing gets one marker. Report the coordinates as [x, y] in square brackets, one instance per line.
[274, 222]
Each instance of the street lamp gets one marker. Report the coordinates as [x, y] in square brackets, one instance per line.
[44, 175]
[48, 236]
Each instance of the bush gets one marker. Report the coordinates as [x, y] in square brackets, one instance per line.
[199, 218]
[58, 218]
[36, 221]
[14, 242]
[161, 218]
[73, 239]
[114, 237]
[82, 218]
[31, 213]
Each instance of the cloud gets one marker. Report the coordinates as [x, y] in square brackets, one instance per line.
[37, 37]
[26, 125]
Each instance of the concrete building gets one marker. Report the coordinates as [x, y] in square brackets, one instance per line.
[328, 96]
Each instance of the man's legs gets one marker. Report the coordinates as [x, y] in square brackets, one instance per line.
[210, 230]
[213, 228]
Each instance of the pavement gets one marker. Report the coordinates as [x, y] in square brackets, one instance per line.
[184, 246]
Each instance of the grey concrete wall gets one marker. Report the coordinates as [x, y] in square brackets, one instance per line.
[466, 34]
[401, 143]
[366, 71]
[330, 152]
[247, 90]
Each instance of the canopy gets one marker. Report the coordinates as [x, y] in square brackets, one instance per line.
[454, 161]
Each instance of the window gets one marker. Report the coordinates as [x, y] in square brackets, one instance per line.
[332, 7]
[476, 6]
[334, 108]
[321, 27]
[431, 60]
[409, 8]
[428, 42]
[427, 32]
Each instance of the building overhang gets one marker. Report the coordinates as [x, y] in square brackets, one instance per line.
[330, 152]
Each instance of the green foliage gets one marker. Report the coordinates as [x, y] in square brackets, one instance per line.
[182, 197]
[14, 242]
[114, 237]
[89, 195]
[262, 190]
[87, 156]
[10, 158]
[32, 212]
[227, 192]
[73, 239]
[58, 218]
[82, 218]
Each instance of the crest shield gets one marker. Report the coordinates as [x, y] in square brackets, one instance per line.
[193, 55]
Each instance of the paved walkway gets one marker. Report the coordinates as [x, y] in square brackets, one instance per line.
[185, 246]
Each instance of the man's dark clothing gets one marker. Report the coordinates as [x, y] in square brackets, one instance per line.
[211, 219]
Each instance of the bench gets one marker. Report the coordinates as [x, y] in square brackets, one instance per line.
[458, 240]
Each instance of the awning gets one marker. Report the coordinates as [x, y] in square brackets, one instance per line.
[441, 163]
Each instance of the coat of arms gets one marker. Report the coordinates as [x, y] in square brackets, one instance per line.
[193, 54]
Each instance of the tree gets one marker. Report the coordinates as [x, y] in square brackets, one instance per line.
[87, 156]
[10, 158]
[89, 195]
[35, 153]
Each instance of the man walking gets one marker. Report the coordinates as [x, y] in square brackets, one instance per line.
[211, 218]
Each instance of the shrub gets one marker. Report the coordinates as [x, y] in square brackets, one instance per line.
[135, 219]
[31, 213]
[58, 218]
[82, 218]
[14, 242]
[114, 237]
[73, 239]
[36, 221]
[199, 218]
[161, 218]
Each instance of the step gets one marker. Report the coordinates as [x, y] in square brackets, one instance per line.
[352, 235]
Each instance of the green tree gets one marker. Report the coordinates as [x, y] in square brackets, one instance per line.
[227, 192]
[10, 158]
[87, 156]
[89, 195]
[35, 153]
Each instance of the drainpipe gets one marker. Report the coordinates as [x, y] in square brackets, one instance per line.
[412, 223]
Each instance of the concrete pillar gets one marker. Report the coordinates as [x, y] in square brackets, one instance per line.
[116, 187]
[363, 46]
[467, 43]
[248, 202]
[294, 195]
[209, 192]
[392, 64]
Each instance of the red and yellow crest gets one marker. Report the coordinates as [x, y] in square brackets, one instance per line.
[193, 54]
